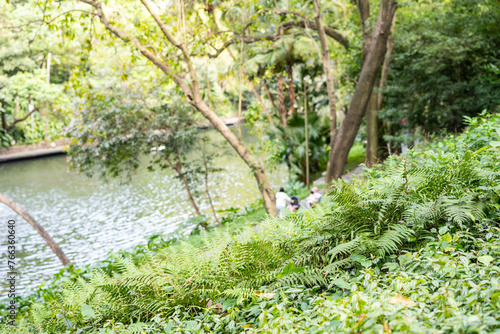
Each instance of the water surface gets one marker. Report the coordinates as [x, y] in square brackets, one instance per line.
[89, 217]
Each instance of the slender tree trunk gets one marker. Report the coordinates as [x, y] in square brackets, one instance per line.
[240, 90]
[291, 86]
[371, 131]
[281, 100]
[178, 168]
[4, 121]
[268, 197]
[307, 135]
[366, 82]
[269, 95]
[39, 228]
[385, 73]
[207, 191]
[325, 59]
[259, 98]
[371, 108]
[209, 95]
[374, 105]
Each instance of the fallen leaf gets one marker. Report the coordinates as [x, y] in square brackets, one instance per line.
[401, 300]
[360, 321]
[267, 295]
[387, 328]
[210, 303]
[219, 308]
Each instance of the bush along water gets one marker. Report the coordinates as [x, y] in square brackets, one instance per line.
[412, 246]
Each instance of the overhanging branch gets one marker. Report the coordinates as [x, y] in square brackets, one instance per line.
[148, 54]
[246, 40]
[312, 25]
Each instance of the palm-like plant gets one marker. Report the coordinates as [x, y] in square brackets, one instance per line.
[281, 57]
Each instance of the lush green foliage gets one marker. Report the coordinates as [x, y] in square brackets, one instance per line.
[335, 267]
[441, 68]
[117, 124]
[24, 50]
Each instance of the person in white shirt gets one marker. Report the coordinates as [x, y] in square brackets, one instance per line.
[281, 201]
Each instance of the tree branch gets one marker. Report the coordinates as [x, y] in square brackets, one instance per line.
[312, 25]
[148, 54]
[16, 120]
[246, 40]
[172, 40]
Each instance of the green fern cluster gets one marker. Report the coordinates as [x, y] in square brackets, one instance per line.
[397, 207]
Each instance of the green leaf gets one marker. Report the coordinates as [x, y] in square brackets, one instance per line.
[362, 260]
[87, 312]
[341, 283]
[485, 259]
[495, 296]
[495, 143]
[290, 268]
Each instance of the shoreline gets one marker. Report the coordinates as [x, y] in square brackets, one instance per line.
[57, 147]
[42, 149]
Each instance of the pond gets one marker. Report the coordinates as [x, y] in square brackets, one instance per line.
[89, 217]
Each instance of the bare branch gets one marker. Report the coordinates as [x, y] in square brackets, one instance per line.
[16, 120]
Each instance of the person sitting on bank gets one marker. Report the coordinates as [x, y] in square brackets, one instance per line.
[294, 204]
[281, 201]
[317, 194]
[314, 197]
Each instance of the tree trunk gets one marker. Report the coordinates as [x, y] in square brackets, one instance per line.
[209, 95]
[4, 121]
[281, 100]
[291, 86]
[205, 179]
[325, 58]
[347, 132]
[178, 168]
[385, 73]
[39, 228]
[268, 197]
[269, 95]
[240, 90]
[371, 131]
[307, 135]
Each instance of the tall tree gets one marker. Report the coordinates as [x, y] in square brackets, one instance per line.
[325, 59]
[373, 61]
[178, 66]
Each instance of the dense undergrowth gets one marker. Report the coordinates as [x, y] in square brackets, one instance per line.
[413, 246]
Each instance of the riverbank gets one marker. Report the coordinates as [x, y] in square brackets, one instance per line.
[20, 152]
